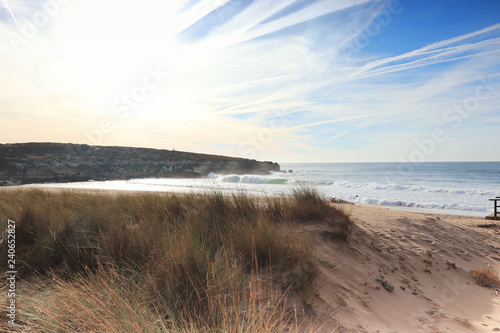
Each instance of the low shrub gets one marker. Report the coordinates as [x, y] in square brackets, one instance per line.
[486, 277]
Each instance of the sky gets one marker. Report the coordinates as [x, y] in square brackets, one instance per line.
[282, 80]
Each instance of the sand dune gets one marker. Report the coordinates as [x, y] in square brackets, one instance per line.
[407, 272]
[402, 271]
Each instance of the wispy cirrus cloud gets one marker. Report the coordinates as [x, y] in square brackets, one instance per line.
[435, 53]
[259, 64]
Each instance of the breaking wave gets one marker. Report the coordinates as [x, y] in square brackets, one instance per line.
[413, 188]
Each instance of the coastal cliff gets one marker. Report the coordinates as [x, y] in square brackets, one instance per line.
[26, 163]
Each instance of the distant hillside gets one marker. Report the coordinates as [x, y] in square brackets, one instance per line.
[26, 163]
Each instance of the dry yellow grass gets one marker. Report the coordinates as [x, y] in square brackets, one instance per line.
[486, 277]
[159, 262]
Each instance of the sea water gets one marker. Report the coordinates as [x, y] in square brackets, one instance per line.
[449, 187]
[453, 187]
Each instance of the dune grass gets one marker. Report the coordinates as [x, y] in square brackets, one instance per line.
[147, 262]
[486, 277]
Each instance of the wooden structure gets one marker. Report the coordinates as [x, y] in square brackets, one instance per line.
[496, 211]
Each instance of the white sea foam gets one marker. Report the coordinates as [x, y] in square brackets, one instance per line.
[414, 188]
[437, 188]
[426, 205]
[247, 179]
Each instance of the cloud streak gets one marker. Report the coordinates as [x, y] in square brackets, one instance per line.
[254, 66]
[434, 53]
[7, 6]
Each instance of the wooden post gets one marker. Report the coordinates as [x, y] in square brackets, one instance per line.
[495, 207]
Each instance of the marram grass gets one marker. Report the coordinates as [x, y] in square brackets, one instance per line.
[148, 262]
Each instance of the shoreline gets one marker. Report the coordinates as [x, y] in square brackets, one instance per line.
[452, 212]
[178, 190]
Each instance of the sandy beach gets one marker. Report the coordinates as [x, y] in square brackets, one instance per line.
[406, 271]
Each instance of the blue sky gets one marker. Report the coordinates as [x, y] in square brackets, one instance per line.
[288, 80]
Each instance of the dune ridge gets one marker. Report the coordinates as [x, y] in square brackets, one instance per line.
[406, 271]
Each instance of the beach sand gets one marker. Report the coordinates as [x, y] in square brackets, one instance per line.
[426, 259]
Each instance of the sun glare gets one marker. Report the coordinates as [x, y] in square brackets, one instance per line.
[103, 53]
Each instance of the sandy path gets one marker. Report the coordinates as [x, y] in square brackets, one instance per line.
[416, 254]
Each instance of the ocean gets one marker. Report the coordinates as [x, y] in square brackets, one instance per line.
[447, 187]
